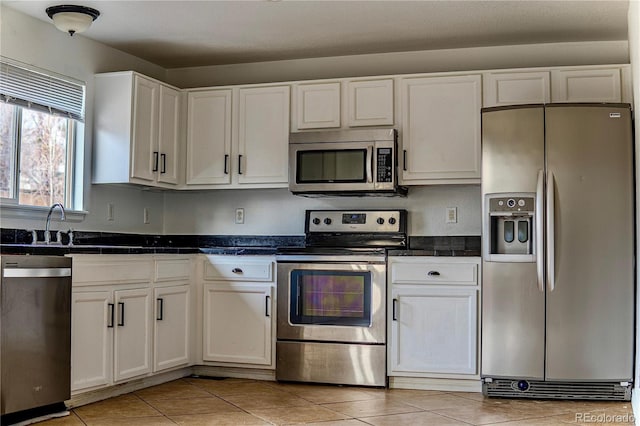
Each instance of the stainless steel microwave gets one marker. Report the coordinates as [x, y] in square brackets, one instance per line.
[344, 162]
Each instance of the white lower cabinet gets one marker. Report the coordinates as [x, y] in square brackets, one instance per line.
[433, 322]
[238, 324]
[434, 330]
[91, 339]
[171, 343]
[116, 333]
[110, 336]
[132, 333]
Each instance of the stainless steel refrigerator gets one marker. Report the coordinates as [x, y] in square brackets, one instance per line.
[558, 251]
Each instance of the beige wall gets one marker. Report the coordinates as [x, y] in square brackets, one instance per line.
[40, 44]
[477, 58]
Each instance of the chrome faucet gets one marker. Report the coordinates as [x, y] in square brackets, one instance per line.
[47, 237]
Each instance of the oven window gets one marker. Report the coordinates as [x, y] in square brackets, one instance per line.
[348, 165]
[331, 298]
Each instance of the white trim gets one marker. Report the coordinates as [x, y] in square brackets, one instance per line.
[635, 402]
[18, 211]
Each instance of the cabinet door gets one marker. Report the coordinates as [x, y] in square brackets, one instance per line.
[370, 103]
[91, 339]
[318, 105]
[172, 318]
[516, 88]
[168, 139]
[433, 331]
[132, 337]
[209, 137]
[237, 323]
[441, 129]
[594, 85]
[144, 155]
[263, 135]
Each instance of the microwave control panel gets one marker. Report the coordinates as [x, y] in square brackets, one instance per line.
[385, 165]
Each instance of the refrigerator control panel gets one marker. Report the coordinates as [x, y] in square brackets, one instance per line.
[511, 204]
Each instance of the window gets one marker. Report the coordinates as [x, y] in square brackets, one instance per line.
[39, 114]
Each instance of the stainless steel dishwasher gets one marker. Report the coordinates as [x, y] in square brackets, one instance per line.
[35, 334]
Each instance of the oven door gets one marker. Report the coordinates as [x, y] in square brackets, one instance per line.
[333, 302]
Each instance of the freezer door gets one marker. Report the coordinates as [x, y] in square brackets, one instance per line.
[512, 321]
[512, 300]
[590, 285]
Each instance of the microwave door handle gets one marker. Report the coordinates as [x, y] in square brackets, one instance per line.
[370, 164]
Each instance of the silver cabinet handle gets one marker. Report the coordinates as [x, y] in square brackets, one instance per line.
[551, 232]
[155, 161]
[540, 230]
[236, 270]
[226, 164]
[240, 164]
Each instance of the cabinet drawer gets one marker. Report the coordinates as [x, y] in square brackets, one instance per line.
[172, 270]
[435, 273]
[111, 271]
[238, 270]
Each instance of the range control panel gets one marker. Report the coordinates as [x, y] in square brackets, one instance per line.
[356, 221]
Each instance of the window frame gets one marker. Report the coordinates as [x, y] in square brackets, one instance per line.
[10, 207]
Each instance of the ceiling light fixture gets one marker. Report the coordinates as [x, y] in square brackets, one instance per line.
[71, 18]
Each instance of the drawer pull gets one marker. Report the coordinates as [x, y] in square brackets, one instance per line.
[236, 270]
[394, 315]
[433, 273]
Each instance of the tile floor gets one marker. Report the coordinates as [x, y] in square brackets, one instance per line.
[196, 401]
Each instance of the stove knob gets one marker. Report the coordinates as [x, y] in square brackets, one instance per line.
[327, 221]
[392, 220]
[316, 221]
[380, 221]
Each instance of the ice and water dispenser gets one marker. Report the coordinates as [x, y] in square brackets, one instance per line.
[509, 227]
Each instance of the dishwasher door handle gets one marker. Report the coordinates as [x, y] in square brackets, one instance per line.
[36, 272]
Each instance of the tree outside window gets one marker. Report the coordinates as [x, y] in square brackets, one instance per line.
[38, 143]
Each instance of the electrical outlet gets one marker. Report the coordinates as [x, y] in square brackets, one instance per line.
[239, 216]
[145, 216]
[110, 208]
[452, 215]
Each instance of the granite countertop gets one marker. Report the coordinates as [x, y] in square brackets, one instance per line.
[15, 241]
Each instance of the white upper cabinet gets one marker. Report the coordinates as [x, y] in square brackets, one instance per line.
[137, 130]
[370, 102]
[586, 85]
[263, 135]
[566, 84]
[238, 137]
[512, 88]
[169, 135]
[441, 129]
[317, 106]
[209, 137]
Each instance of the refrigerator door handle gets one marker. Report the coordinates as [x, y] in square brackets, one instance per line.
[551, 261]
[540, 230]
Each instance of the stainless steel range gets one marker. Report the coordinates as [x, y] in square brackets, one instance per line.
[332, 298]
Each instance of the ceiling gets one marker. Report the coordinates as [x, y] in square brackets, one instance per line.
[176, 34]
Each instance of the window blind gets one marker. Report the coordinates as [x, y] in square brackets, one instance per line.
[39, 90]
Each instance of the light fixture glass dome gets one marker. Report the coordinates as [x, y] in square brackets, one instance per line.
[71, 18]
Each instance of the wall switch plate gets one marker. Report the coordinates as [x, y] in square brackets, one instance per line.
[110, 208]
[452, 215]
[145, 215]
[239, 216]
